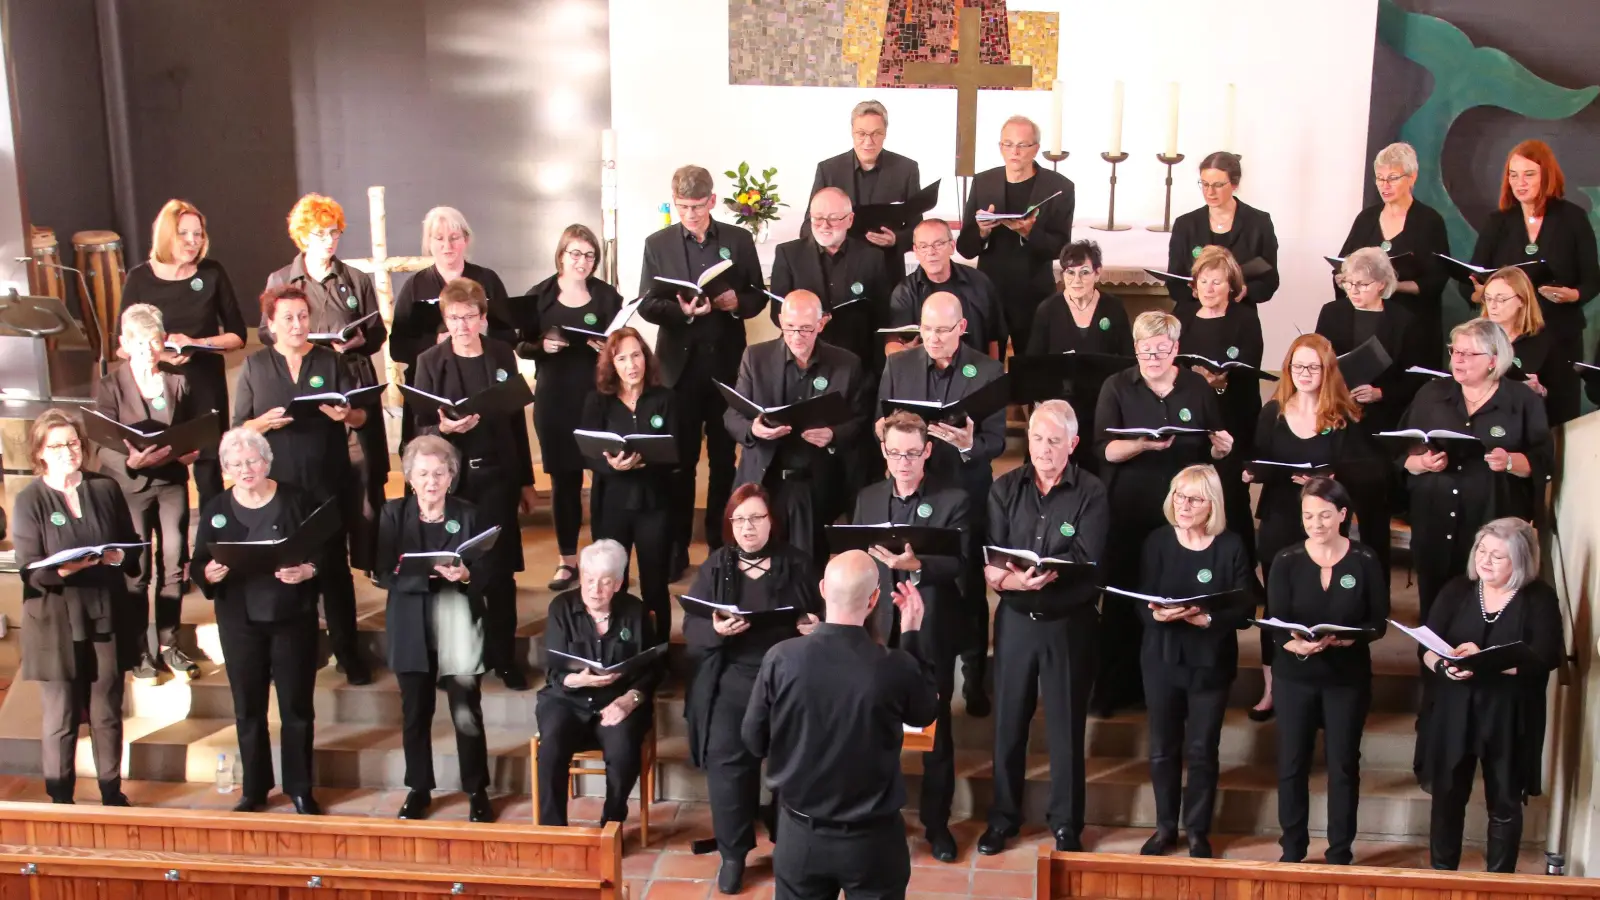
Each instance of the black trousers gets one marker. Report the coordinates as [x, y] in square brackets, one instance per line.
[733, 773]
[161, 516]
[939, 764]
[1118, 679]
[98, 688]
[272, 655]
[566, 507]
[1341, 712]
[808, 502]
[974, 595]
[418, 699]
[700, 408]
[1057, 657]
[362, 496]
[1186, 710]
[646, 533]
[816, 861]
[495, 493]
[207, 474]
[563, 732]
[1503, 797]
[338, 591]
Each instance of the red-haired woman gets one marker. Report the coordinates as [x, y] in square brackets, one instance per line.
[338, 295]
[1535, 222]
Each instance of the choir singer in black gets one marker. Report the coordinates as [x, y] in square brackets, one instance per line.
[267, 621]
[309, 447]
[1228, 222]
[1018, 253]
[945, 369]
[78, 631]
[580, 709]
[701, 340]
[828, 712]
[1368, 280]
[755, 571]
[844, 270]
[1323, 682]
[496, 474]
[867, 173]
[1044, 633]
[1509, 300]
[435, 622]
[907, 497]
[934, 245]
[1492, 719]
[1190, 653]
[807, 472]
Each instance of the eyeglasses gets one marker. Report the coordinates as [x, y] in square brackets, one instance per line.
[72, 445]
[1160, 352]
[937, 330]
[1498, 299]
[331, 234]
[469, 319]
[800, 329]
[742, 521]
[1358, 287]
[1009, 146]
[239, 465]
[1465, 354]
[1390, 179]
[931, 246]
[686, 208]
[869, 135]
[1085, 272]
[898, 455]
[819, 221]
[1306, 368]
[582, 255]
[1213, 185]
[1491, 556]
[1186, 500]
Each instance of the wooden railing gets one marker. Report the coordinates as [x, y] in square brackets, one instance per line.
[1098, 876]
[64, 852]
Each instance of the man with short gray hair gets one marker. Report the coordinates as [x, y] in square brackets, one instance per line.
[844, 270]
[867, 173]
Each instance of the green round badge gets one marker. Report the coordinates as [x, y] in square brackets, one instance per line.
[925, 510]
[1067, 530]
[352, 302]
[1531, 249]
[857, 287]
[591, 319]
[969, 370]
[1233, 352]
[452, 526]
[725, 253]
[158, 403]
[1105, 324]
[56, 518]
[820, 383]
[316, 381]
[219, 520]
[657, 421]
[499, 374]
[1184, 415]
[1386, 246]
[625, 633]
[1347, 582]
[1516, 361]
[1497, 432]
[196, 284]
[1203, 576]
[1326, 431]
[1195, 253]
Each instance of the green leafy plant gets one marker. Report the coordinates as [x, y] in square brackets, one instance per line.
[755, 201]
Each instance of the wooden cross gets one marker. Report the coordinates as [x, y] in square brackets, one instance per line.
[379, 266]
[968, 74]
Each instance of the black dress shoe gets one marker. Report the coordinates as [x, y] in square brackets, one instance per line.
[565, 579]
[1067, 840]
[479, 809]
[356, 672]
[114, 799]
[306, 805]
[994, 840]
[251, 804]
[416, 805]
[730, 878]
[1291, 858]
[942, 844]
[1159, 843]
[513, 677]
[977, 698]
[1260, 715]
[1199, 846]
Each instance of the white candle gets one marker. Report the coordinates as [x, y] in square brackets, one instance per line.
[608, 144]
[1058, 94]
[1227, 120]
[1172, 119]
[1116, 119]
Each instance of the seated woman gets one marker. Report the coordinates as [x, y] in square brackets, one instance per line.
[580, 709]
[267, 622]
[77, 630]
[435, 623]
[1190, 654]
[753, 570]
[1493, 718]
[154, 482]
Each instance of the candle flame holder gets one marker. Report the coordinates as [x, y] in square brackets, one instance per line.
[1110, 224]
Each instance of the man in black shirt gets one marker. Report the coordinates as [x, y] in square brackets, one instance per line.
[845, 271]
[867, 173]
[1044, 630]
[700, 341]
[933, 244]
[828, 711]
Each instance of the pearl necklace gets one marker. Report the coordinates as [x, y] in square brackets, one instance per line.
[1484, 607]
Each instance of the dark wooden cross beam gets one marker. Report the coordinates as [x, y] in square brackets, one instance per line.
[967, 75]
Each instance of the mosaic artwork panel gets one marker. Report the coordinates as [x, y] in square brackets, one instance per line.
[788, 42]
[925, 31]
[1035, 40]
[863, 37]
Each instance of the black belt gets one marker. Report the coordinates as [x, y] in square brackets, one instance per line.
[856, 827]
[794, 474]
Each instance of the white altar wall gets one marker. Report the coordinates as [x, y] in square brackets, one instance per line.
[1303, 76]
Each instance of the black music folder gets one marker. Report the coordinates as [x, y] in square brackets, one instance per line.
[925, 540]
[505, 398]
[184, 438]
[305, 545]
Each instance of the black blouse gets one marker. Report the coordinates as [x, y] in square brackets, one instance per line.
[643, 488]
[1537, 354]
[1347, 328]
[200, 307]
[1357, 595]
[498, 441]
[312, 452]
[1251, 237]
[1169, 569]
[1137, 486]
[1566, 243]
[1234, 336]
[570, 629]
[261, 597]
[1277, 442]
[1423, 236]
[1055, 331]
[418, 321]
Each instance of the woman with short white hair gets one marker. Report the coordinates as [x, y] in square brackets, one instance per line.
[418, 322]
[1496, 719]
[1366, 311]
[1397, 225]
[581, 707]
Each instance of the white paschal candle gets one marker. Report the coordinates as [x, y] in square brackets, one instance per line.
[608, 144]
[1228, 121]
[1116, 119]
[1058, 94]
[1172, 119]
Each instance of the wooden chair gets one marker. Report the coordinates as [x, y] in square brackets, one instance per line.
[581, 766]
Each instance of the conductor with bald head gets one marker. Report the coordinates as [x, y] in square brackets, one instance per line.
[846, 271]
[802, 468]
[828, 712]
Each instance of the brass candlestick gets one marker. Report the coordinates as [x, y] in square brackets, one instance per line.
[1110, 223]
[1166, 210]
[1055, 157]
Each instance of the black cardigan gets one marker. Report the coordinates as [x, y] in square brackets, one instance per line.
[570, 629]
[274, 600]
[1251, 236]
[412, 596]
[1566, 242]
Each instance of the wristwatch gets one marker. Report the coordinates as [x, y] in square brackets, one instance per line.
[635, 696]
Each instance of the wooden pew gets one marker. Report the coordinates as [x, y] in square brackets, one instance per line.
[1101, 876]
[50, 852]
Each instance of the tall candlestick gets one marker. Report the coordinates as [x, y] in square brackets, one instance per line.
[1116, 119]
[1227, 122]
[1172, 119]
[608, 144]
[1058, 91]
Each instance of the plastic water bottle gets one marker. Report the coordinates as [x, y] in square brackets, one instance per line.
[666, 214]
[224, 774]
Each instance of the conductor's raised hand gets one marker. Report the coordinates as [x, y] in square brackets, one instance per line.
[1221, 444]
[883, 237]
[271, 420]
[909, 600]
[462, 425]
[727, 624]
[215, 571]
[807, 623]
[146, 458]
[765, 432]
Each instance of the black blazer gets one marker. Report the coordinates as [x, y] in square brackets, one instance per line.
[1252, 236]
[1051, 232]
[411, 597]
[665, 254]
[1401, 339]
[267, 599]
[510, 433]
[546, 296]
[117, 396]
[947, 507]
[570, 629]
[761, 380]
[861, 284]
[418, 321]
[1566, 242]
[897, 180]
[905, 377]
[1424, 237]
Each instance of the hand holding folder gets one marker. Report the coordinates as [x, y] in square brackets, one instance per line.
[183, 438]
[264, 557]
[504, 398]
